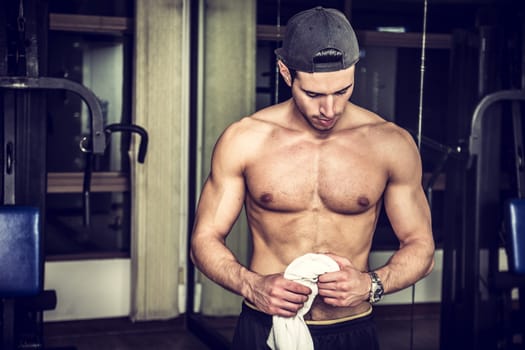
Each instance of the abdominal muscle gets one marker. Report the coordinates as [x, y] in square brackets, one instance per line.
[323, 312]
[294, 235]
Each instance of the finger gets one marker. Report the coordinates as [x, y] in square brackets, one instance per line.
[287, 308]
[283, 309]
[331, 293]
[331, 277]
[284, 312]
[330, 285]
[297, 299]
[297, 288]
[340, 260]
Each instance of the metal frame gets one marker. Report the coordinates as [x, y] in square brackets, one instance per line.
[98, 137]
[484, 278]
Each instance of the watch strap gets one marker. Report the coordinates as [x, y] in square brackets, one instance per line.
[376, 289]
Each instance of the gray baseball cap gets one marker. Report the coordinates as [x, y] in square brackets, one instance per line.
[311, 31]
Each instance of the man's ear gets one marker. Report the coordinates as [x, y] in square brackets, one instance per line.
[285, 72]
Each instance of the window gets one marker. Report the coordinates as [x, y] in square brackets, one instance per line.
[89, 42]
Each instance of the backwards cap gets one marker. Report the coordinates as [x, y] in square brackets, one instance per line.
[313, 30]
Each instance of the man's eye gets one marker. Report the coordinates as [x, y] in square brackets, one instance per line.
[311, 94]
[341, 92]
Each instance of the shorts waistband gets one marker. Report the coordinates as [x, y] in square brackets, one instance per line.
[323, 322]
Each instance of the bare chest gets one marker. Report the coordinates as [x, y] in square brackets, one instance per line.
[316, 177]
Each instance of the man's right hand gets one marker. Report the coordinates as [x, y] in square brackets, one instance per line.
[275, 295]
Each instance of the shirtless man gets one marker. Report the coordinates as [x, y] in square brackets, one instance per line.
[313, 173]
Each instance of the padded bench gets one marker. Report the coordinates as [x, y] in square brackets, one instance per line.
[20, 264]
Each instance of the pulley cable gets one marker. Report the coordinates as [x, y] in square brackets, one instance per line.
[422, 75]
[419, 138]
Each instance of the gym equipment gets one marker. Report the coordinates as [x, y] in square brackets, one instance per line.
[515, 221]
[84, 146]
[478, 310]
[98, 136]
[515, 207]
[23, 131]
[20, 256]
[496, 292]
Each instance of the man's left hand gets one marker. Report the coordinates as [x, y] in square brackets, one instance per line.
[344, 288]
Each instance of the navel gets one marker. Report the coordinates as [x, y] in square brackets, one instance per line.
[363, 201]
[266, 198]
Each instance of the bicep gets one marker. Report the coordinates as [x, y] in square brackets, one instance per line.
[408, 212]
[405, 201]
[219, 205]
[222, 196]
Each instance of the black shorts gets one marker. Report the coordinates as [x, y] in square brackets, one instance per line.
[253, 328]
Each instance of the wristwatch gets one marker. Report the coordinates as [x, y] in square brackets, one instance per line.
[376, 290]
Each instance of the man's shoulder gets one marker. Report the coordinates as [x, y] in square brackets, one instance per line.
[376, 128]
[384, 136]
[248, 132]
[391, 132]
[397, 148]
[392, 141]
[257, 124]
[250, 126]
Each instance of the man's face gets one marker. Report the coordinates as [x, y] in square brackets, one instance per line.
[322, 97]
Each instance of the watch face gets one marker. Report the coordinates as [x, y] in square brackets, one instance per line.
[378, 293]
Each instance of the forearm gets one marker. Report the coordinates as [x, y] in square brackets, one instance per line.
[413, 261]
[219, 264]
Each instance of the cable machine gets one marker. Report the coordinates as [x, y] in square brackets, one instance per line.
[478, 311]
[23, 180]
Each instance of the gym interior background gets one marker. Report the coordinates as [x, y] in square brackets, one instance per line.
[183, 70]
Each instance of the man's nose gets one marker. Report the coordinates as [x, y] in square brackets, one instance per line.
[327, 106]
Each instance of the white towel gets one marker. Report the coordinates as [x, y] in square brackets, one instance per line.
[292, 333]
